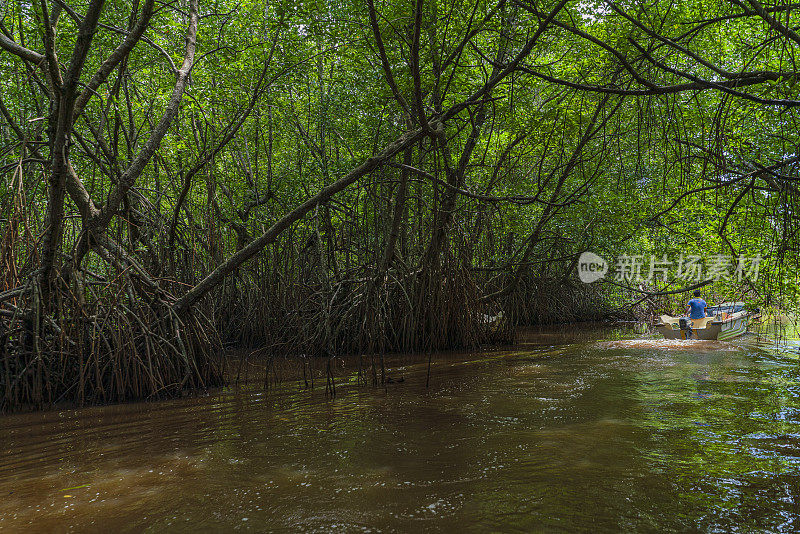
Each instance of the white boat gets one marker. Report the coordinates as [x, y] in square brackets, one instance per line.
[727, 321]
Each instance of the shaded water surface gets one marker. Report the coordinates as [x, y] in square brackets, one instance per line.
[568, 432]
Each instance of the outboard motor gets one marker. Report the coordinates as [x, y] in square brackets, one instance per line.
[686, 326]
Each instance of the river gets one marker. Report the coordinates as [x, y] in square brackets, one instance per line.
[572, 430]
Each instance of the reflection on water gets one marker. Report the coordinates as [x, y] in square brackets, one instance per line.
[568, 431]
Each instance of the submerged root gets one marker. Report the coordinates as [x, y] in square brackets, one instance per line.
[110, 350]
[406, 312]
[542, 300]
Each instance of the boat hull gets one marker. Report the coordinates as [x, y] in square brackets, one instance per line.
[710, 330]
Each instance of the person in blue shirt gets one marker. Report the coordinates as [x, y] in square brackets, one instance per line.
[696, 308]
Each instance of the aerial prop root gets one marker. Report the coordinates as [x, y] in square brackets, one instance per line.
[111, 346]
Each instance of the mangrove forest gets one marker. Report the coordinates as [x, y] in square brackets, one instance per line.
[321, 179]
[399, 266]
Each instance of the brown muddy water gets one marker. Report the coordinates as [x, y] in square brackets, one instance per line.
[571, 431]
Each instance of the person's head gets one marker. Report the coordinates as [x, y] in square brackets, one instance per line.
[697, 293]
